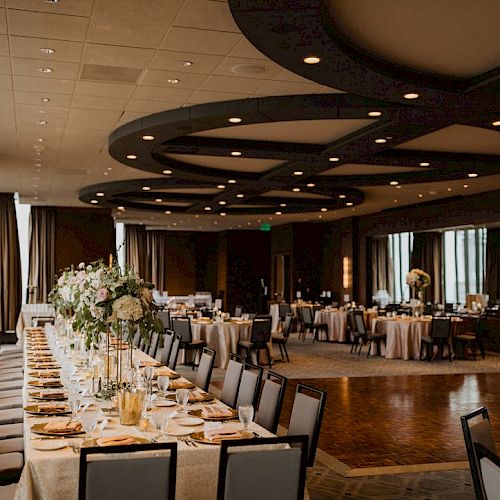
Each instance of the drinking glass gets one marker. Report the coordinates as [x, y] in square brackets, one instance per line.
[148, 377]
[75, 402]
[89, 418]
[163, 383]
[159, 416]
[245, 414]
[182, 398]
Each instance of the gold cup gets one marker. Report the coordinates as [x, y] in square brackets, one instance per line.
[130, 405]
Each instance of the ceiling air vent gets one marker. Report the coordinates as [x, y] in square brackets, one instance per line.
[115, 74]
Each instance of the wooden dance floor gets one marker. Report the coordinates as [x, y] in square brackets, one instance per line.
[372, 422]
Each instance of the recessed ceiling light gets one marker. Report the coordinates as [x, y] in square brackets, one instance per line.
[394, 183]
[296, 190]
[334, 158]
[94, 201]
[235, 153]
[146, 188]
[298, 172]
[311, 185]
[239, 195]
[148, 137]
[420, 195]
[223, 214]
[131, 157]
[424, 164]
[158, 200]
[395, 201]
[36, 178]
[283, 205]
[381, 141]
[40, 139]
[167, 172]
[208, 208]
[46, 50]
[99, 194]
[324, 209]
[449, 189]
[374, 113]
[44, 99]
[168, 212]
[121, 208]
[186, 63]
[398, 187]
[221, 186]
[312, 60]
[45, 70]
[466, 186]
[411, 95]
[496, 124]
[278, 213]
[349, 203]
[42, 122]
[51, 1]
[222, 202]
[106, 173]
[109, 168]
[342, 196]
[472, 174]
[234, 119]
[231, 181]
[173, 80]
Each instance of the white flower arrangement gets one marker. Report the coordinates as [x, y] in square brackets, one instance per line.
[418, 278]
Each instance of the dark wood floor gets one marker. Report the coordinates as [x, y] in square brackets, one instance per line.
[400, 420]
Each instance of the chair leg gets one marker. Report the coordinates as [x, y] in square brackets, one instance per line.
[286, 352]
[281, 352]
[360, 348]
[481, 348]
[369, 349]
[269, 358]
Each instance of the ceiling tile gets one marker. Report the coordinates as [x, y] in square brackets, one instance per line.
[251, 68]
[107, 116]
[43, 85]
[102, 89]
[157, 78]
[287, 88]
[161, 94]
[217, 83]
[71, 7]
[206, 14]
[110, 55]
[4, 45]
[30, 67]
[3, 21]
[203, 96]
[200, 41]
[5, 82]
[4, 65]
[131, 23]
[148, 107]
[169, 60]
[29, 48]
[6, 96]
[92, 102]
[35, 98]
[77, 123]
[44, 112]
[35, 24]
[245, 49]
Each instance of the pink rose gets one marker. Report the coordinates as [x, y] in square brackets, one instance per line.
[102, 294]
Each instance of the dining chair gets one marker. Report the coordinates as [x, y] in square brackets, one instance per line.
[281, 338]
[127, 472]
[174, 352]
[164, 316]
[11, 466]
[248, 390]
[205, 368]
[271, 401]
[42, 321]
[307, 415]
[478, 431]
[259, 338]
[489, 468]
[366, 337]
[232, 380]
[153, 345]
[183, 327]
[260, 469]
[471, 337]
[439, 336]
[137, 337]
[308, 324]
[238, 310]
[163, 353]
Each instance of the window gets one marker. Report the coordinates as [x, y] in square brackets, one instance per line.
[400, 247]
[23, 233]
[120, 243]
[464, 263]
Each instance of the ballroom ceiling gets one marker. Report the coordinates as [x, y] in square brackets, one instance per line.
[82, 82]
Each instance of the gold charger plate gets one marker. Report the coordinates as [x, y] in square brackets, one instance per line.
[198, 413]
[206, 399]
[40, 429]
[170, 375]
[35, 410]
[47, 397]
[200, 437]
[180, 385]
[93, 442]
[44, 383]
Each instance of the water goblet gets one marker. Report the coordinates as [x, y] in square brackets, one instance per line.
[245, 414]
[159, 416]
[163, 384]
[182, 398]
[75, 402]
[89, 418]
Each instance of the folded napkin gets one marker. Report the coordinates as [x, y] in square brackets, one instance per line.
[226, 431]
[52, 408]
[216, 412]
[150, 363]
[47, 374]
[62, 427]
[163, 372]
[52, 394]
[180, 384]
[197, 396]
[116, 440]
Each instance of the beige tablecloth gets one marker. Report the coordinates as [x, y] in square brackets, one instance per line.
[30, 311]
[337, 325]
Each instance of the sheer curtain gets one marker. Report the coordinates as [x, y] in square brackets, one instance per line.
[492, 282]
[42, 261]
[427, 254]
[10, 264]
[156, 264]
[382, 274]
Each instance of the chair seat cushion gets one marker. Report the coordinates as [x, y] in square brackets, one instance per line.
[11, 430]
[376, 336]
[11, 465]
[278, 338]
[427, 339]
[468, 337]
[194, 344]
[320, 325]
[250, 345]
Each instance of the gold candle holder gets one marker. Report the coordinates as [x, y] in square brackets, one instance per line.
[130, 405]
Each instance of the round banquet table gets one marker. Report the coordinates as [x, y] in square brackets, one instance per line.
[337, 324]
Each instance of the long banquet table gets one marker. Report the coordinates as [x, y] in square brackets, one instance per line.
[51, 475]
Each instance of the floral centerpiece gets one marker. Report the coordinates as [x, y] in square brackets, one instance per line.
[418, 279]
[64, 294]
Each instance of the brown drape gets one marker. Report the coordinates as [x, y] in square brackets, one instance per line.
[135, 249]
[156, 263]
[427, 255]
[10, 264]
[381, 265]
[492, 281]
[42, 263]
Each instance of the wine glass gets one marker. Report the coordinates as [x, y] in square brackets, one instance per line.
[182, 398]
[75, 402]
[163, 384]
[245, 414]
[159, 416]
[89, 419]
